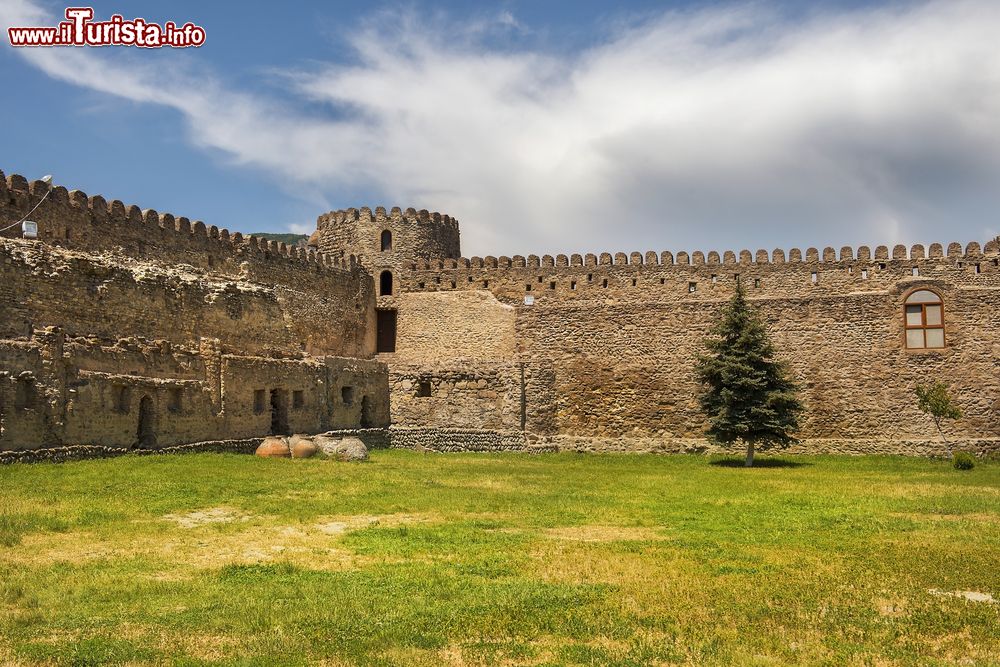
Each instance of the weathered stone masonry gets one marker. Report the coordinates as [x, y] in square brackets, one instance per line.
[610, 341]
[122, 328]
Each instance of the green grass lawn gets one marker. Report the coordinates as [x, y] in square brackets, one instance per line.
[466, 559]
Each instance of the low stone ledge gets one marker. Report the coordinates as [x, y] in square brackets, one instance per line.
[81, 452]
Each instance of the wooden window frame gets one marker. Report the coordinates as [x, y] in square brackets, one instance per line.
[923, 326]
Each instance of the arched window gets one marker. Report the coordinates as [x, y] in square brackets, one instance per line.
[386, 241]
[924, 313]
[385, 283]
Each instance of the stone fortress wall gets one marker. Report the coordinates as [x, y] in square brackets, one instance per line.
[607, 343]
[121, 327]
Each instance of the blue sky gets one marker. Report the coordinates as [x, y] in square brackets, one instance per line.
[542, 126]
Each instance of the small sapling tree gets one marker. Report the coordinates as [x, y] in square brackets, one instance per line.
[746, 394]
[934, 400]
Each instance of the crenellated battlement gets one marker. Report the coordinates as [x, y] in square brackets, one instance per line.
[380, 214]
[954, 250]
[73, 219]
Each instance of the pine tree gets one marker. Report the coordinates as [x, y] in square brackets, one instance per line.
[747, 395]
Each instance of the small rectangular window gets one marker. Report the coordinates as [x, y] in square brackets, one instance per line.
[298, 398]
[423, 389]
[539, 279]
[258, 401]
[486, 283]
[715, 279]
[552, 285]
[572, 284]
[604, 283]
[756, 282]
[421, 285]
[864, 274]
[815, 278]
[174, 400]
[437, 279]
[850, 270]
[634, 282]
[663, 281]
[347, 395]
[590, 277]
[527, 288]
[692, 287]
[470, 279]
[915, 271]
[736, 277]
[979, 268]
[881, 266]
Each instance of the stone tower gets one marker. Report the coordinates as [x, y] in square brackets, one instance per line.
[386, 241]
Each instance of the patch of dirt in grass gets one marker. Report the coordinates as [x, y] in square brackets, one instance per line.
[891, 608]
[971, 596]
[605, 533]
[210, 515]
[239, 539]
[341, 524]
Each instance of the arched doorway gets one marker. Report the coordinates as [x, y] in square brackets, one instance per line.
[385, 283]
[145, 434]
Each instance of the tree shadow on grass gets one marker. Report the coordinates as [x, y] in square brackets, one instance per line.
[758, 463]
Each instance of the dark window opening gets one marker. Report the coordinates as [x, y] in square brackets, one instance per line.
[527, 288]
[423, 388]
[347, 395]
[634, 282]
[663, 281]
[367, 418]
[279, 412]
[122, 398]
[692, 287]
[539, 279]
[979, 268]
[386, 241]
[572, 284]
[298, 399]
[421, 285]
[145, 433]
[756, 282]
[590, 277]
[437, 279]
[881, 266]
[258, 401]
[385, 283]
[453, 285]
[174, 399]
[486, 283]
[24, 394]
[864, 274]
[470, 279]
[552, 285]
[605, 283]
[385, 338]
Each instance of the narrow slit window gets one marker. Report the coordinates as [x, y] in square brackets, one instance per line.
[692, 287]
[815, 277]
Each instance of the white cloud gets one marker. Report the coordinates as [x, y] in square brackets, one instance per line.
[706, 129]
